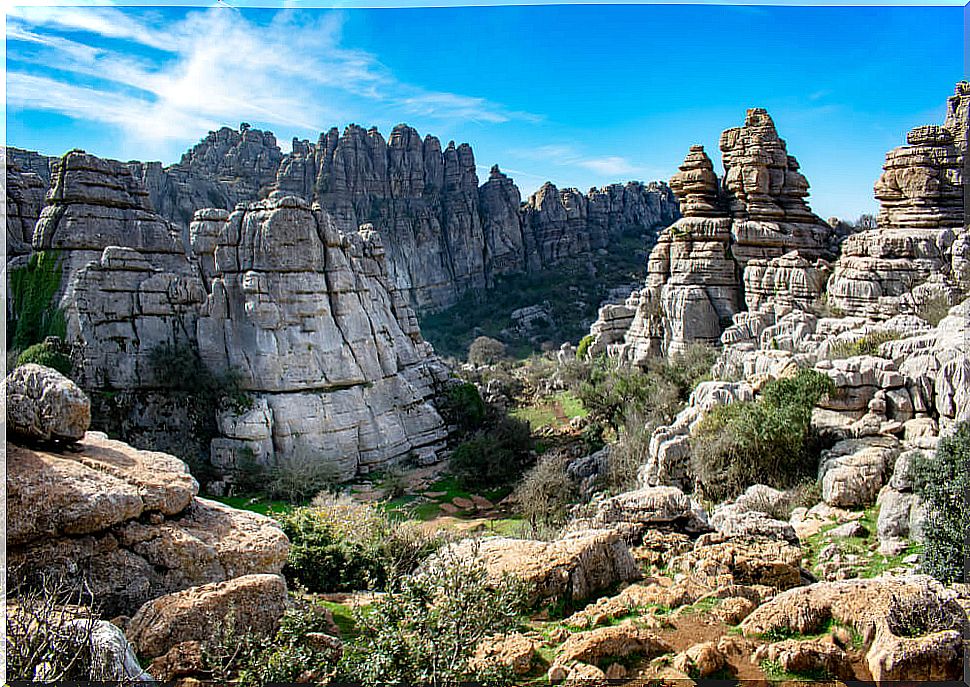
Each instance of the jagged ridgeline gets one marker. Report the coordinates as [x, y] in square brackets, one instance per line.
[282, 289]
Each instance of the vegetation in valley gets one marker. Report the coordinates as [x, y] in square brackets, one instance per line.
[33, 313]
[765, 441]
[867, 345]
[573, 290]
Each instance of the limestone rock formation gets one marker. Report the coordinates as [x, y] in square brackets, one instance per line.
[28, 177]
[130, 521]
[574, 567]
[921, 192]
[44, 404]
[737, 240]
[253, 602]
[225, 168]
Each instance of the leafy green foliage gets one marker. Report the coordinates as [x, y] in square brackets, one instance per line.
[934, 309]
[767, 441]
[47, 354]
[583, 348]
[427, 631]
[35, 316]
[496, 455]
[485, 350]
[338, 544]
[943, 483]
[463, 406]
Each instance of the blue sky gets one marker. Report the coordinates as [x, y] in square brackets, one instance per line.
[580, 95]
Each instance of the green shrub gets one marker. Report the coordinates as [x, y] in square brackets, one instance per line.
[427, 632]
[48, 354]
[486, 351]
[943, 483]
[338, 544]
[584, 345]
[463, 406]
[867, 345]
[685, 370]
[546, 494]
[297, 476]
[34, 315]
[497, 455]
[631, 450]
[614, 392]
[767, 441]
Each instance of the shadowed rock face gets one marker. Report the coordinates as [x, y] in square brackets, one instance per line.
[443, 233]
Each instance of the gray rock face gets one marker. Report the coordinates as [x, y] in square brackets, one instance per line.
[919, 249]
[44, 404]
[728, 246]
[306, 315]
[28, 176]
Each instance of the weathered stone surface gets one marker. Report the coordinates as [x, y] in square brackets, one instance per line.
[28, 176]
[739, 520]
[807, 657]
[44, 404]
[911, 627]
[717, 562]
[127, 519]
[853, 471]
[576, 566]
[253, 602]
[98, 484]
[922, 197]
[694, 286]
[515, 652]
[635, 512]
[618, 641]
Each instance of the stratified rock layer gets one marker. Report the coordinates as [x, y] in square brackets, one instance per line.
[918, 252]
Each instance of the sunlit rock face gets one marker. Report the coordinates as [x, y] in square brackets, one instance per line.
[737, 237]
[304, 315]
[920, 249]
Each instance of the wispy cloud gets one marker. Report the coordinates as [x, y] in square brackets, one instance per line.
[565, 155]
[209, 68]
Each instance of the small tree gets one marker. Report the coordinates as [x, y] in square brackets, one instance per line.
[866, 222]
[486, 351]
[943, 483]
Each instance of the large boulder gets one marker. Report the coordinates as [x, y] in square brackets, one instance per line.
[44, 404]
[574, 567]
[251, 603]
[853, 471]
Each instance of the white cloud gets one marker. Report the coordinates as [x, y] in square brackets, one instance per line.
[565, 155]
[212, 67]
[611, 165]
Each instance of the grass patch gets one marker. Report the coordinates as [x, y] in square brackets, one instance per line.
[343, 618]
[256, 504]
[867, 345]
[775, 673]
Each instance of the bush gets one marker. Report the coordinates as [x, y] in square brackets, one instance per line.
[486, 351]
[614, 392]
[495, 456]
[49, 354]
[546, 494]
[631, 450]
[463, 406]
[583, 347]
[942, 483]
[35, 316]
[427, 632]
[685, 370]
[934, 309]
[867, 345]
[338, 544]
[767, 441]
[49, 628]
[298, 476]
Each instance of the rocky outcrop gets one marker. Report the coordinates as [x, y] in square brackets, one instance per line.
[44, 404]
[305, 316]
[130, 521]
[28, 177]
[444, 234]
[921, 192]
[253, 602]
[739, 242]
[225, 168]
[572, 568]
[911, 628]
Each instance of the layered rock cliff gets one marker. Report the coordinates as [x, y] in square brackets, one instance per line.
[303, 315]
[726, 249]
[443, 233]
[920, 249]
[28, 177]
